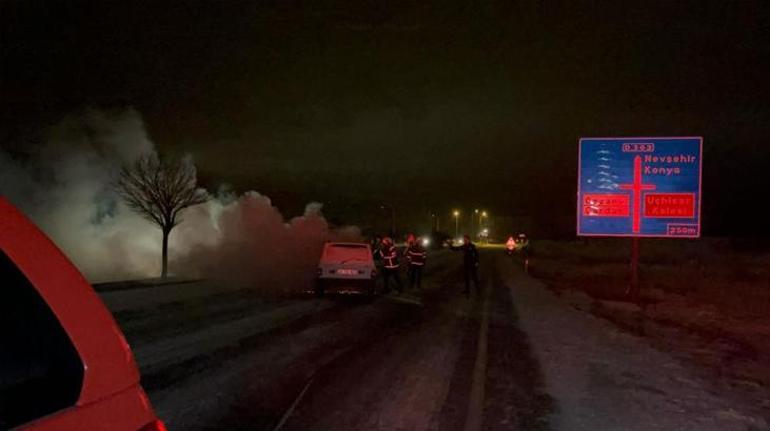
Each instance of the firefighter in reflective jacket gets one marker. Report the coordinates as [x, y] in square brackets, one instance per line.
[510, 246]
[390, 266]
[416, 255]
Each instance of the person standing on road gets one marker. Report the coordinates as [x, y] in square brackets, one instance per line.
[510, 246]
[390, 266]
[523, 246]
[470, 262]
[410, 238]
[376, 246]
[416, 256]
[377, 253]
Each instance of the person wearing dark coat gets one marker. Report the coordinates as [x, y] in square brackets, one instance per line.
[470, 262]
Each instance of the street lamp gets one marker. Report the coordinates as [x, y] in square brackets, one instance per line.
[456, 214]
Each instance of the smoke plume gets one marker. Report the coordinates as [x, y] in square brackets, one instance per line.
[247, 242]
[65, 186]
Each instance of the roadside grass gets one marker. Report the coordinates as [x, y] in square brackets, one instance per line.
[708, 271]
[706, 298]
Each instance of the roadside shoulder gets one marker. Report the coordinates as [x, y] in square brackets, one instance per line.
[603, 378]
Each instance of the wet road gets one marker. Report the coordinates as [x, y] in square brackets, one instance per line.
[456, 362]
[430, 360]
[513, 356]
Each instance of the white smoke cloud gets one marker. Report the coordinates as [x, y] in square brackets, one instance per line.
[65, 186]
[248, 242]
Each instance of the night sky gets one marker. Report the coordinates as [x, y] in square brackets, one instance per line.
[425, 105]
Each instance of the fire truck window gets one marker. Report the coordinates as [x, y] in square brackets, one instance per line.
[40, 370]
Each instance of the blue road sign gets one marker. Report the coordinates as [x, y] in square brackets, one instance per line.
[645, 187]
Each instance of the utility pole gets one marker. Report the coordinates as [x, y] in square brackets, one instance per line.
[435, 222]
[457, 222]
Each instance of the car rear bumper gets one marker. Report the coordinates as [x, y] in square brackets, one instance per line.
[345, 284]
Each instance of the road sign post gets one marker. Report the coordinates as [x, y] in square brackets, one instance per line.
[633, 290]
[639, 187]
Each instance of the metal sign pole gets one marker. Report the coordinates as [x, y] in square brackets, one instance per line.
[634, 287]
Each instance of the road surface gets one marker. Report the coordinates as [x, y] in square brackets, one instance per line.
[511, 356]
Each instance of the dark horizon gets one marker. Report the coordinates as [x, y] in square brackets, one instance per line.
[427, 106]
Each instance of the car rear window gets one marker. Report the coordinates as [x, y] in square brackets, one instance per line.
[40, 369]
[347, 252]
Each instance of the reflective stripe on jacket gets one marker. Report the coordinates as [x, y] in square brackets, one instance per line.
[389, 257]
[416, 255]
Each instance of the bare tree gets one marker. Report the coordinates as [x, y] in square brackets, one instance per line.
[159, 190]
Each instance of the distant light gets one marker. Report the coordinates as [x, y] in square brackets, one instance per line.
[425, 242]
[483, 213]
[456, 213]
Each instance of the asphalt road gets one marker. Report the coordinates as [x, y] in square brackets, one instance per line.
[512, 356]
[455, 362]
[434, 359]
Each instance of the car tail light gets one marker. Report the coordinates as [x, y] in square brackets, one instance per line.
[156, 425]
